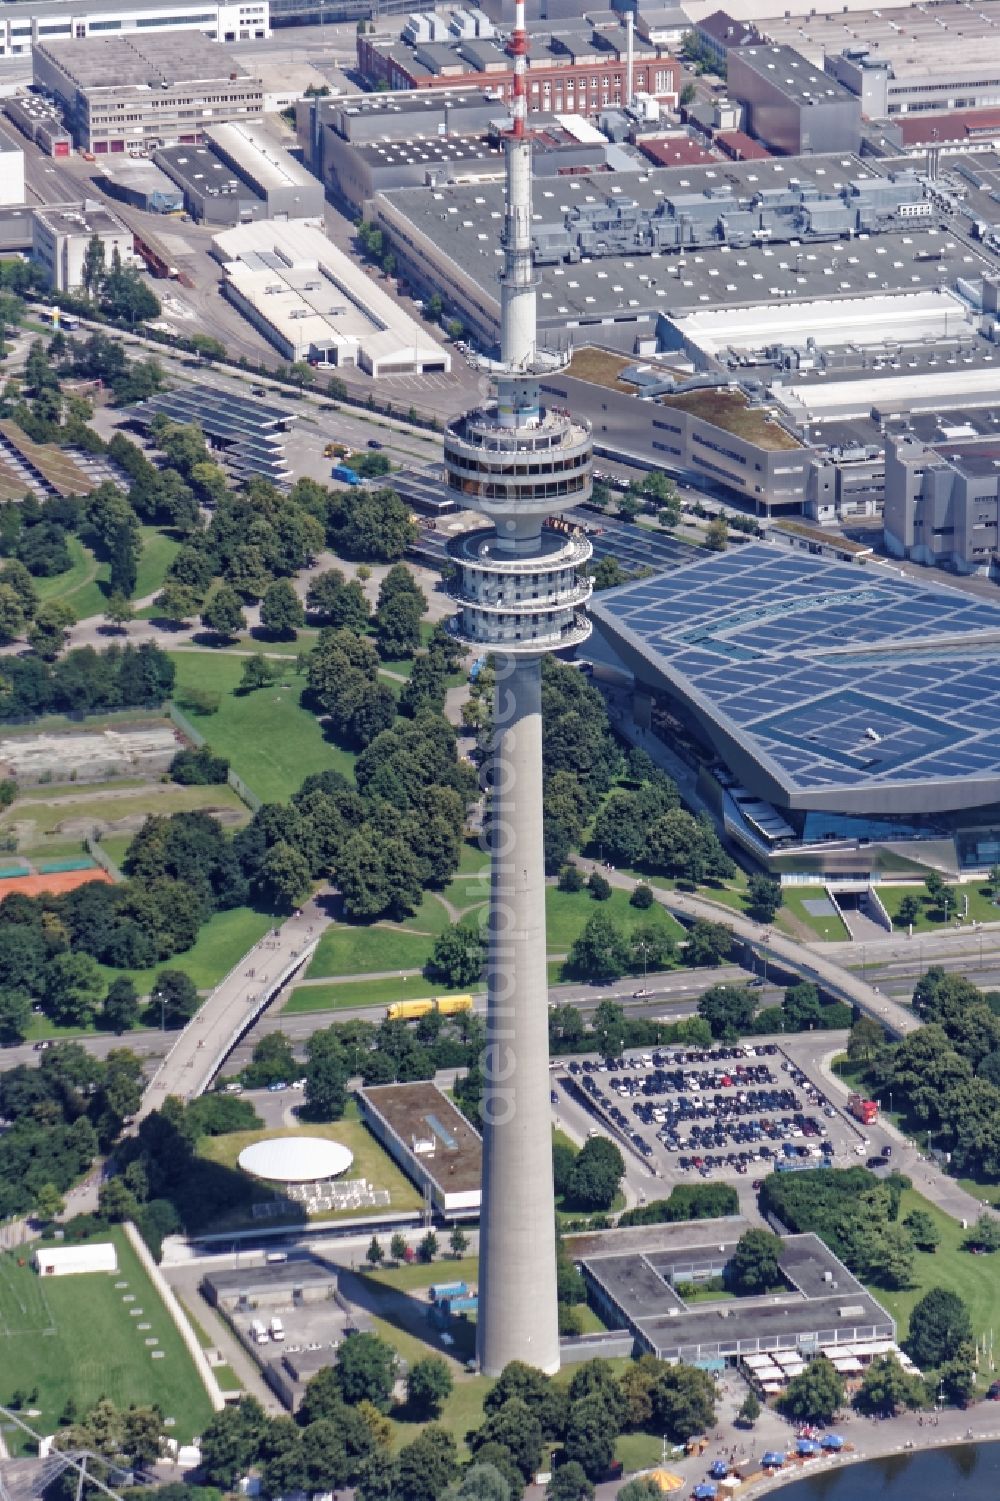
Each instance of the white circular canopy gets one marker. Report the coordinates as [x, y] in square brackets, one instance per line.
[296, 1159]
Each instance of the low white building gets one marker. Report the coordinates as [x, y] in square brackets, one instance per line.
[69, 1261]
[44, 20]
[11, 170]
[313, 302]
[60, 238]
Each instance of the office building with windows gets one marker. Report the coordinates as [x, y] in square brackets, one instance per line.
[24, 24]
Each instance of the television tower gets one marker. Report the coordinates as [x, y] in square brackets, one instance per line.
[521, 592]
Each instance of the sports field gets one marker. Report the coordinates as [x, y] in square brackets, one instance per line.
[94, 1336]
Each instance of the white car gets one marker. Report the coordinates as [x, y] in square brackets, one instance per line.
[298, 1083]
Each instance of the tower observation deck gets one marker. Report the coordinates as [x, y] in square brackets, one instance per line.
[521, 591]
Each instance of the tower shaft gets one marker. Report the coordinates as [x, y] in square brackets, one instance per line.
[517, 1317]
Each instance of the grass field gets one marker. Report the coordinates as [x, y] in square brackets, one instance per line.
[974, 1278]
[354, 993]
[829, 929]
[84, 584]
[270, 740]
[370, 1160]
[931, 919]
[220, 943]
[41, 819]
[347, 950]
[158, 551]
[75, 1337]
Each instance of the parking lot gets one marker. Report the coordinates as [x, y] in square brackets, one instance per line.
[721, 1113]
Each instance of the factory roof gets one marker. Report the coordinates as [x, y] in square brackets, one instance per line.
[90, 219]
[426, 150]
[201, 171]
[832, 679]
[429, 1126]
[465, 222]
[260, 155]
[948, 38]
[727, 31]
[673, 151]
[792, 74]
[137, 173]
[956, 125]
[147, 62]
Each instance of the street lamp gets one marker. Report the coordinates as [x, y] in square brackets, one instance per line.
[158, 995]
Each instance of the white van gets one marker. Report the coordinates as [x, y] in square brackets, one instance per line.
[277, 1329]
[258, 1332]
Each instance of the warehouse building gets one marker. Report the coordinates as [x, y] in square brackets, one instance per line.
[314, 302]
[793, 107]
[134, 94]
[239, 174]
[813, 766]
[823, 1304]
[141, 185]
[40, 121]
[60, 238]
[431, 1140]
[942, 502]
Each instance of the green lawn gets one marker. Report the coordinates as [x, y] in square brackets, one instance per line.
[158, 551]
[567, 911]
[829, 929]
[116, 845]
[74, 1337]
[83, 585]
[421, 1274]
[348, 950]
[974, 1278]
[271, 741]
[929, 919]
[430, 917]
[370, 1161]
[221, 942]
[354, 993]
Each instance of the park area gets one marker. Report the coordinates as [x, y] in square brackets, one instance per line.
[92, 1336]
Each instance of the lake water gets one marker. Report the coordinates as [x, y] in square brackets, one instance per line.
[970, 1472]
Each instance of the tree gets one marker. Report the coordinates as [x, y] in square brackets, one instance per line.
[926, 1235]
[517, 1427]
[728, 1009]
[457, 957]
[599, 887]
[397, 1247]
[174, 998]
[642, 897]
[458, 1241]
[47, 633]
[118, 611]
[909, 911]
[326, 1086]
[886, 1387]
[366, 1370]
[717, 534]
[223, 614]
[708, 943]
[428, 1385]
[49, 1203]
[816, 1394]
[12, 617]
[258, 672]
[640, 1489]
[569, 1483]
[120, 1011]
[801, 1009]
[609, 1027]
[281, 610]
[177, 602]
[865, 1040]
[601, 951]
[286, 875]
[750, 1410]
[230, 1442]
[482, 1482]
[683, 1402]
[74, 987]
[428, 1247]
[93, 268]
[375, 1254]
[753, 1267]
[425, 1467]
[591, 1432]
[940, 1328]
[763, 897]
[596, 1175]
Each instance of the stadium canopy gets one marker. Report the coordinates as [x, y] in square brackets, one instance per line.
[296, 1159]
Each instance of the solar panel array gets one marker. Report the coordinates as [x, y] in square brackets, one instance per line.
[838, 675]
[252, 432]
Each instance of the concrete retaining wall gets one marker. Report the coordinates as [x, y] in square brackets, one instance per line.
[177, 1314]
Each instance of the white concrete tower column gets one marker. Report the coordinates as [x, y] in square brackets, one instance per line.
[517, 1316]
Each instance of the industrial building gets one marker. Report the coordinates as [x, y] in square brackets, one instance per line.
[241, 173]
[60, 238]
[942, 502]
[847, 717]
[930, 57]
[792, 106]
[823, 1305]
[34, 21]
[314, 302]
[141, 185]
[40, 121]
[720, 32]
[432, 1142]
[134, 94]
[297, 1281]
[578, 70]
